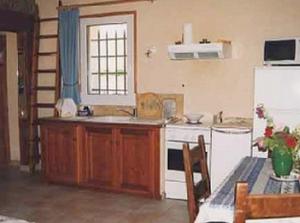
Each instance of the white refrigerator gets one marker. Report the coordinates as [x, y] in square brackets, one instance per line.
[278, 88]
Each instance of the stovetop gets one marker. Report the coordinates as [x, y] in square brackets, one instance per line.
[183, 124]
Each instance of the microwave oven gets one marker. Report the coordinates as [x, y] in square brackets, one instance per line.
[285, 51]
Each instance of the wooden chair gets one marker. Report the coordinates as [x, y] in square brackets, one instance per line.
[264, 206]
[201, 189]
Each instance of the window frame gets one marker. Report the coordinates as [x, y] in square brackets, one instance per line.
[121, 17]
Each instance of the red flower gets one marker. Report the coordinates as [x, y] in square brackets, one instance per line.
[290, 141]
[268, 131]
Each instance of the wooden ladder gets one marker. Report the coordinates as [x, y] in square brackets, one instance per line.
[39, 71]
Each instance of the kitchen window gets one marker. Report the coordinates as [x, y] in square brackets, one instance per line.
[107, 60]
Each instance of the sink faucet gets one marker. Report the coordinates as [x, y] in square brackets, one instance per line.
[218, 118]
[133, 113]
[220, 115]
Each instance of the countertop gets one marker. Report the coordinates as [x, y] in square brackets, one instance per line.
[235, 122]
[106, 120]
[228, 122]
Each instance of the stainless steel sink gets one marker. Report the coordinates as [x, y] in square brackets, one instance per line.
[110, 118]
[123, 120]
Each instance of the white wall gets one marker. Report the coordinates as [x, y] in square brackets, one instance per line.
[209, 85]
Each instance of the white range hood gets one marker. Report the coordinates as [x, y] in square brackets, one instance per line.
[200, 51]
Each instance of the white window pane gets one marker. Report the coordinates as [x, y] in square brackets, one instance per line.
[103, 68]
[103, 83]
[93, 48]
[93, 32]
[121, 80]
[120, 62]
[111, 64]
[121, 30]
[107, 31]
[111, 44]
[103, 32]
[120, 47]
[111, 30]
[93, 65]
[103, 48]
[112, 83]
[93, 84]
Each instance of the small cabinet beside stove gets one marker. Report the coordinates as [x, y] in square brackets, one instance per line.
[229, 146]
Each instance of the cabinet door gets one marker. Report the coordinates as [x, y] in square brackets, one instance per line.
[59, 154]
[100, 156]
[139, 160]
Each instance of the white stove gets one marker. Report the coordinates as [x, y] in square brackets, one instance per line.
[176, 135]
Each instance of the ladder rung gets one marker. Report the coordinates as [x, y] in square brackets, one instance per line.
[46, 71]
[35, 123]
[36, 139]
[47, 53]
[45, 88]
[45, 105]
[49, 36]
[48, 19]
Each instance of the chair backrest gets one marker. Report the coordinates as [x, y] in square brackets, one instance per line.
[196, 190]
[264, 205]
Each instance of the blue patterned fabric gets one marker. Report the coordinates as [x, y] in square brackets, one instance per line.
[248, 170]
[68, 39]
[276, 187]
[258, 172]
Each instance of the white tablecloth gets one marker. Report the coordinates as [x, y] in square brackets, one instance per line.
[256, 171]
[4, 219]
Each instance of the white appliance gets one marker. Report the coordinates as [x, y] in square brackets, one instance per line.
[229, 146]
[282, 51]
[199, 51]
[278, 88]
[176, 135]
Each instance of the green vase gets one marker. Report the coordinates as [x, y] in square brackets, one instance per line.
[282, 162]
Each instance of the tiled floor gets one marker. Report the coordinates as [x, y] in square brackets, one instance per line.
[25, 197]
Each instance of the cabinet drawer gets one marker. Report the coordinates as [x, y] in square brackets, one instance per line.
[187, 135]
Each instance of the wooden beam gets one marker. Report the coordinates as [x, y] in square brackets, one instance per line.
[15, 21]
[48, 19]
[62, 7]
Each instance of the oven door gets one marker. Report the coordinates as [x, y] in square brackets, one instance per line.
[174, 162]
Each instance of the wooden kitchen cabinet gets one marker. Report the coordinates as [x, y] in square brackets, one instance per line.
[111, 157]
[138, 152]
[60, 150]
[100, 159]
[122, 158]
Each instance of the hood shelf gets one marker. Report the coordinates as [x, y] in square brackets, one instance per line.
[218, 50]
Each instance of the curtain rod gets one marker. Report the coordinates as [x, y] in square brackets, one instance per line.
[62, 7]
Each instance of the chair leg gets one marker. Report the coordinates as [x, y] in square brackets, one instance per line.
[241, 202]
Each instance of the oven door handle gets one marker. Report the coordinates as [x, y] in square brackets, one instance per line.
[178, 145]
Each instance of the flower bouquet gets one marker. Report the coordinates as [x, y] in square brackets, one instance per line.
[280, 142]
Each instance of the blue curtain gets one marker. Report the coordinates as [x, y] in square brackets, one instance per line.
[68, 39]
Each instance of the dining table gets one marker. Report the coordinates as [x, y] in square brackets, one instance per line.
[259, 175]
